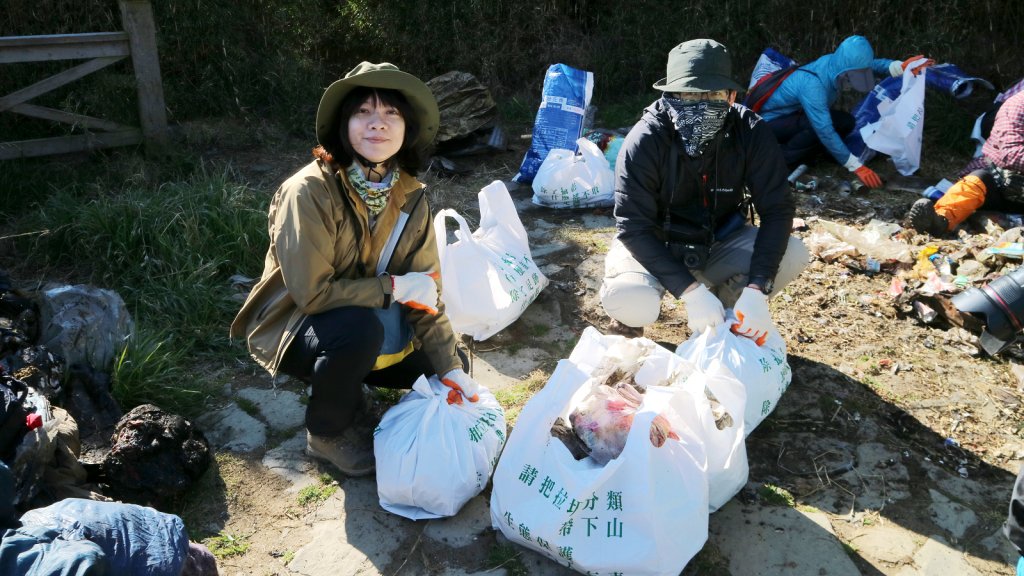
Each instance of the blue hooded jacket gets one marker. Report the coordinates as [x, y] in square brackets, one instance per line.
[814, 87]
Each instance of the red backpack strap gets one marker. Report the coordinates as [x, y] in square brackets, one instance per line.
[761, 91]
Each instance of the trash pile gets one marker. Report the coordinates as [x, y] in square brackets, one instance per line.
[602, 419]
[67, 448]
[930, 282]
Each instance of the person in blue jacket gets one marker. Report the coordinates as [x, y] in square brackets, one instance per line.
[800, 112]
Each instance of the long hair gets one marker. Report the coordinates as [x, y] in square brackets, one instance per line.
[338, 150]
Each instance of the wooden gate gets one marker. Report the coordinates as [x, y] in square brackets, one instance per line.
[138, 40]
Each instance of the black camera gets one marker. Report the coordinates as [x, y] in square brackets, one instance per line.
[693, 256]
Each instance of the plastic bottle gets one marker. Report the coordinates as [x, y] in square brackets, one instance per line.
[798, 172]
[932, 193]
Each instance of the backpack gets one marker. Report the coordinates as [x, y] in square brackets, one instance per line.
[760, 92]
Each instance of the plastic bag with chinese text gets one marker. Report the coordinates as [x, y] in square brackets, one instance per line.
[643, 513]
[569, 180]
[763, 370]
[488, 276]
[432, 457]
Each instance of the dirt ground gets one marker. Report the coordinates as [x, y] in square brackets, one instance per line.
[866, 368]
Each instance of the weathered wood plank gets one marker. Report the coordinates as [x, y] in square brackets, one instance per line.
[55, 81]
[137, 18]
[68, 118]
[67, 144]
[15, 49]
[48, 39]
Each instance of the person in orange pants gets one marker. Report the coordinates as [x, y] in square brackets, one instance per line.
[995, 180]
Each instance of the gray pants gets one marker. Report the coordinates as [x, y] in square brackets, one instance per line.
[632, 295]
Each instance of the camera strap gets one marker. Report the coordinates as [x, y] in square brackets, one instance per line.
[700, 179]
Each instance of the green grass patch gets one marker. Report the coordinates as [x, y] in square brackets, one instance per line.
[776, 496]
[317, 493]
[225, 545]
[167, 237]
[513, 398]
[248, 406]
[539, 330]
[506, 556]
[151, 370]
[168, 249]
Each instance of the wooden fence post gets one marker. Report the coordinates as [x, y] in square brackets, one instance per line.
[137, 19]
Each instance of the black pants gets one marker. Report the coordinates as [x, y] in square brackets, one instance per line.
[799, 141]
[334, 352]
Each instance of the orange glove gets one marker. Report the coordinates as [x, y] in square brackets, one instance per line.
[916, 69]
[752, 312]
[868, 177]
[461, 386]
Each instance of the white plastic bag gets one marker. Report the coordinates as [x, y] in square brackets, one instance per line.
[719, 423]
[722, 429]
[432, 457]
[488, 276]
[763, 370]
[645, 512]
[900, 126]
[568, 180]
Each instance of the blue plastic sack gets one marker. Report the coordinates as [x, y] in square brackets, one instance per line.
[867, 112]
[559, 123]
[950, 78]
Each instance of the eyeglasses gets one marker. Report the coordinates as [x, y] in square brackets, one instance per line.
[713, 95]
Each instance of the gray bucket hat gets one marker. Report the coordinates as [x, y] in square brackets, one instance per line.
[383, 75]
[698, 66]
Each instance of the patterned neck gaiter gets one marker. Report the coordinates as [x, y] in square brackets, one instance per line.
[375, 194]
[696, 122]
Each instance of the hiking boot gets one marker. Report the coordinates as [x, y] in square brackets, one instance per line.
[351, 452]
[924, 219]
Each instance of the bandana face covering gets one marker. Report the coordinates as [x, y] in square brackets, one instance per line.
[375, 194]
[696, 122]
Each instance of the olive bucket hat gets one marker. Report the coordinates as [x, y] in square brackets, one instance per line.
[383, 75]
[698, 66]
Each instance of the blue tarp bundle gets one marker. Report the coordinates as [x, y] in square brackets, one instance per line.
[950, 78]
[78, 537]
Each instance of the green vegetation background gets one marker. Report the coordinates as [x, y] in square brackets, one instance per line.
[272, 58]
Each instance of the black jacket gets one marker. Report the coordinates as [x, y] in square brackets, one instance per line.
[745, 156]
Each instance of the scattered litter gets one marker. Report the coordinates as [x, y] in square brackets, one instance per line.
[924, 312]
[1011, 249]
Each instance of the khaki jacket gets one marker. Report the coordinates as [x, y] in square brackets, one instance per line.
[322, 255]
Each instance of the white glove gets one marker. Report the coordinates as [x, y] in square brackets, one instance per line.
[703, 309]
[416, 290]
[461, 385]
[751, 310]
